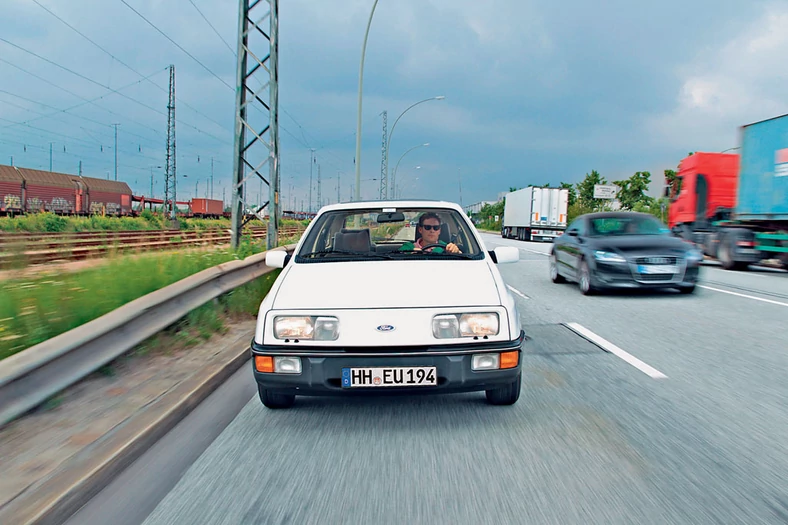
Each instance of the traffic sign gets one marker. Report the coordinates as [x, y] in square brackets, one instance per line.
[605, 191]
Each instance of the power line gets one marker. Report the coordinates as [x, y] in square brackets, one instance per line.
[125, 64]
[86, 101]
[108, 88]
[214, 29]
[178, 45]
[52, 115]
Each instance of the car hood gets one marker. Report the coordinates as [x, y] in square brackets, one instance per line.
[386, 284]
[634, 245]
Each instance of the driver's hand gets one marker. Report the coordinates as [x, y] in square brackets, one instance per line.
[452, 248]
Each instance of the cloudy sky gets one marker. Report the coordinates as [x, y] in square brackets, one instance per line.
[536, 92]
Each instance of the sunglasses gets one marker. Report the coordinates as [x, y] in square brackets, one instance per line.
[429, 227]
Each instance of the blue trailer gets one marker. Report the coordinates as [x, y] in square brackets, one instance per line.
[757, 228]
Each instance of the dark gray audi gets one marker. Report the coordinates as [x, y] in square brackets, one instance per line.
[609, 250]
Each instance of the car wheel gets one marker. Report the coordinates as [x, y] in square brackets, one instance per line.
[687, 289]
[272, 400]
[506, 395]
[586, 288]
[554, 275]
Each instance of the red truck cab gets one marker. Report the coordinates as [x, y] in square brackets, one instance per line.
[706, 187]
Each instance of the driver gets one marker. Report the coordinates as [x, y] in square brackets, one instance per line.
[430, 229]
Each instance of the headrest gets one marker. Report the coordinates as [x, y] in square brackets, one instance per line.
[352, 240]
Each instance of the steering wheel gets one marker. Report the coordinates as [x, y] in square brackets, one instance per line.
[435, 245]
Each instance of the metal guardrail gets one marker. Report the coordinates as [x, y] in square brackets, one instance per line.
[32, 376]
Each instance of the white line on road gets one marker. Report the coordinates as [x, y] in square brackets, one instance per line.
[535, 251]
[613, 349]
[516, 291]
[743, 295]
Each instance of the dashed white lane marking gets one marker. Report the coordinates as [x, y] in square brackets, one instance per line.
[743, 295]
[516, 291]
[587, 334]
[535, 251]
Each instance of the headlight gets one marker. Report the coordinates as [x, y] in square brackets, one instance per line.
[449, 326]
[694, 256]
[310, 328]
[611, 257]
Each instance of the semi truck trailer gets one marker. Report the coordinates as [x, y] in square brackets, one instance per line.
[535, 214]
[735, 206]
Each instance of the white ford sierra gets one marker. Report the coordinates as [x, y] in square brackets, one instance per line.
[369, 303]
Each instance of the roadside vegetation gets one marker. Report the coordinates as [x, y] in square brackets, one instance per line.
[52, 223]
[34, 310]
[631, 197]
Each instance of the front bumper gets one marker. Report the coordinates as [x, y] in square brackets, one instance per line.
[626, 275]
[321, 369]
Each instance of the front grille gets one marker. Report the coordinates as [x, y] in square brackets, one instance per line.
[656, 260]
[655, 277]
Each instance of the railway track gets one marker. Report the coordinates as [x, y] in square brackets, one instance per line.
[23, 249]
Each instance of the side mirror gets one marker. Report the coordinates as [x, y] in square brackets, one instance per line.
[506, 254]
[667, 192]
[276, 258]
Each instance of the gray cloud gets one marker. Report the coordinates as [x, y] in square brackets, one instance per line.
[536, 92]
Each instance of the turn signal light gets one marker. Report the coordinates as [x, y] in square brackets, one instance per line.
[510, 359]
[264, 363]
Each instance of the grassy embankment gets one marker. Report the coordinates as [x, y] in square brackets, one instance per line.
[51, 223]
[34, 310]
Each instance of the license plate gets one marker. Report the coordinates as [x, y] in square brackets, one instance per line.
[656, 269]
[389, 376]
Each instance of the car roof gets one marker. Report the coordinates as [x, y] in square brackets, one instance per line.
[397, 204]
[615, 215]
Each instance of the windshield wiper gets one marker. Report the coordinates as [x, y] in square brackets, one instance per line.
[322, 253]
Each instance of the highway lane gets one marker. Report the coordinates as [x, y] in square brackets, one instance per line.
[593, 439]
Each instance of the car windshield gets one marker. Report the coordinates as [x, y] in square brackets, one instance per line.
[610, 226]
[388, 234]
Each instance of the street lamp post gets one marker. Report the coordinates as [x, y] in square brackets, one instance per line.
[394, 173]
[388, 140]
[358, 118]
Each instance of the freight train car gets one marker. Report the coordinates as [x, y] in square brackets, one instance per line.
[107, 197]
[10, 190]
[26, 190]
[49, 191]
[206, 208]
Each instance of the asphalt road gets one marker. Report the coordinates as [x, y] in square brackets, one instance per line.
[681, 419]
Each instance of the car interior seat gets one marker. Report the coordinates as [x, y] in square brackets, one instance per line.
[353, 240]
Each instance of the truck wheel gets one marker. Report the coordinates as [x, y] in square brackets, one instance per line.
[505, 395]
[554, 275]
[726, 255]
[274, 401]
[725, 252]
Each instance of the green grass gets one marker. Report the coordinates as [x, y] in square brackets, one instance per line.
[49, 222]
[34, 310]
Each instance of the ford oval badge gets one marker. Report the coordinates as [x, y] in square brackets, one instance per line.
[384, 328]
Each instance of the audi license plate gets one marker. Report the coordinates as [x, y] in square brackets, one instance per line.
[656, 269]
[390, 376]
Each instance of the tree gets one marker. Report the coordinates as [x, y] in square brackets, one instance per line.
[633, 190]
[585, 190]
[673, 182]
[572, 192]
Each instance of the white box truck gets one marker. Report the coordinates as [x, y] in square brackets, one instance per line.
[535, 214]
